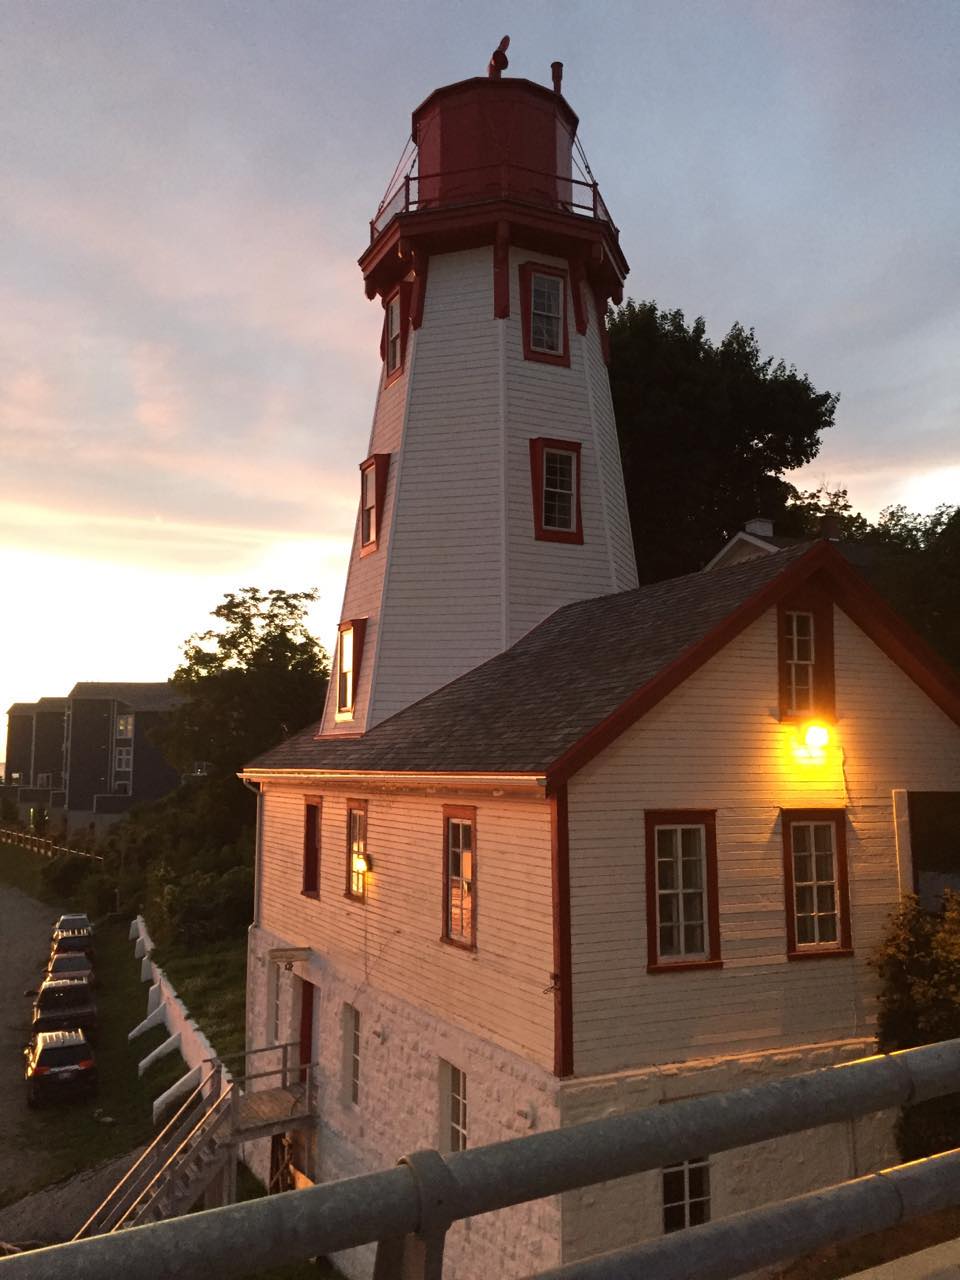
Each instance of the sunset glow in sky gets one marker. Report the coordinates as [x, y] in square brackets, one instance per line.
[188, 365]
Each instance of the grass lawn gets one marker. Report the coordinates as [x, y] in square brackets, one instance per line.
[67, 1135]
[212, 984]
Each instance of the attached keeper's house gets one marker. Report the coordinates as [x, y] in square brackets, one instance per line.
[562, 846]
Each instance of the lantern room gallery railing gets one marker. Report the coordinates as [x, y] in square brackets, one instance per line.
[479, 183]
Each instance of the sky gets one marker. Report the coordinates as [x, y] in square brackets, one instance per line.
[188, 365]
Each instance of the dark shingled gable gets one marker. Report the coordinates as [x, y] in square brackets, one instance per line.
[523, 709]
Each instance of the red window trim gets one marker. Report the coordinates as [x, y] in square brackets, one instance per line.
[820, 950]
[537, 450]
[379, 463]
[526, 307]
[707, 818]
[312, 857]
[402, 292]
[352, 805]
[463, 813]
[359, 628]
[812, 599]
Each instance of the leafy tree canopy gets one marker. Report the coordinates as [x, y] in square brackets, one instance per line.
[248, 684]
[706, 433]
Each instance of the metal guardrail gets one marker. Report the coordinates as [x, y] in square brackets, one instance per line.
[40, 844]
[490, 182]
[408, 1209]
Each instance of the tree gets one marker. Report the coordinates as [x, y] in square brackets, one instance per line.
[249, 684]
[706, 433]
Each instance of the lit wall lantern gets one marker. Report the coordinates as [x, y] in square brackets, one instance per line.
[360, 864]
[810, 746]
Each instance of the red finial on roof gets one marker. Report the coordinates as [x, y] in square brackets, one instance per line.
[498, 60]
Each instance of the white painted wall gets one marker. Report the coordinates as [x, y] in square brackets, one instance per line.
[459, 575]
[393, 939]
[716, 743]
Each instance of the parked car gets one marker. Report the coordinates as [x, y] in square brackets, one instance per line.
[72, 940]
[65, 1004]
[70, 964]
[58, 1063]
[73, 920]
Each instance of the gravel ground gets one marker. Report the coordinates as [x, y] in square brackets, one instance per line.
[24, 940]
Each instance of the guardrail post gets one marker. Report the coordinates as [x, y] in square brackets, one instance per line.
[419, 1256]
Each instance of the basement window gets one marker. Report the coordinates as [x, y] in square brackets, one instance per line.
[555, 478]
[453, 1108]
[686, 1194]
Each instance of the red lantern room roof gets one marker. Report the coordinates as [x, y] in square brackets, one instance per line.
[494, 153]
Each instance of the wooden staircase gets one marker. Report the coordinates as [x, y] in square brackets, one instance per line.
[194, 1156]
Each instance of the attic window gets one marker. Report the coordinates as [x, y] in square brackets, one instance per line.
[349, 654]
[543, 305]
[555, 476]
[805, 649]
[373, 492]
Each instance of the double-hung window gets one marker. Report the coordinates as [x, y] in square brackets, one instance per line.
[373, 490]
[555, 477]
[311, 848]
[460, 875]
[805, 648]
[357, 849]
[393, 335]
[349, 653]
[453, 1107]
[351, 1054]
[543, 306]
[686, 1194]
[815, 880]
[396, 324]
[683, 928]
[125, 725]
[123, 759]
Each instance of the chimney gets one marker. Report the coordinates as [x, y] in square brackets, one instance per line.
[760, 527]
[556, 69]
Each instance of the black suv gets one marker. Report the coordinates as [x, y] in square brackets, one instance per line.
[65, 1004]
[70, 964]
[58, 1063]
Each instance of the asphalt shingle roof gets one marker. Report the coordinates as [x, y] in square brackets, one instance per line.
[520, 711]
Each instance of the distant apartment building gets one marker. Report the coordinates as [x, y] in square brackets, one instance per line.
[89, 757]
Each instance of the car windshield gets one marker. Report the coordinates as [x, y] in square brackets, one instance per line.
[63, 1055]
[66, 963]
[73, 922]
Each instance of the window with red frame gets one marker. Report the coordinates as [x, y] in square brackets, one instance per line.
[396, 325]
[357, 849]
[311, 848]
[805, 650]
[349, 654]
[555, 475]
[683, 925]
[460, 875]
[815, 881]
[543, 308]
[373, 492]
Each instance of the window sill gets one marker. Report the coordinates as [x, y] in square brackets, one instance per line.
[683, 966]
[548, 357]
[824, 953]
[458, 946]
[360, 899]
[560, 535]
[343, 717]
[391, 378]
[310, 893]
[368, 548]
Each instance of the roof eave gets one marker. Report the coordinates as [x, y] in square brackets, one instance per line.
[401, 778]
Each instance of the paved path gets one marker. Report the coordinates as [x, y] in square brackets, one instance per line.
[24, 941]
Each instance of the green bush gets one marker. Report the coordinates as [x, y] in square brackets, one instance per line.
[64, 876]
[918, 964]
[204, 906]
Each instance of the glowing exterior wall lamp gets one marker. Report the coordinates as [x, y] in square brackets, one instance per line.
[811, 743]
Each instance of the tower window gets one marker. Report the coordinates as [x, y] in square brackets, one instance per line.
[373, 492]
[393, 335]
[349, 653]
[543, 305]
[396, 324]
[555, 475]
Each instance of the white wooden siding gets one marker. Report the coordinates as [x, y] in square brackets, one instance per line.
[459, 574]
[716, 743]
[392, 942]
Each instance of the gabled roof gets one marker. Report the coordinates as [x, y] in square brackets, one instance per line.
[548, 704]
[139, 696]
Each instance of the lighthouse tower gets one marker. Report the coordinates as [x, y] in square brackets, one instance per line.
[492, 492]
